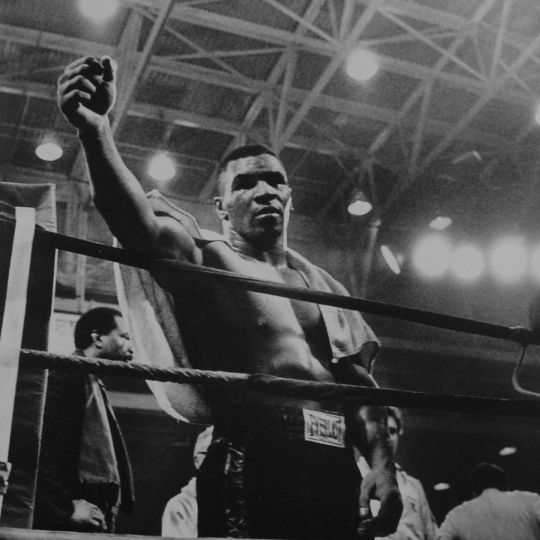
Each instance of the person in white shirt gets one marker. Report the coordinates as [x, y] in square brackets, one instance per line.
[179, 518]
[494, 513]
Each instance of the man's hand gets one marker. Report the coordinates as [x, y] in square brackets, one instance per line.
[87, 91]
[88, 514]
[382, 485]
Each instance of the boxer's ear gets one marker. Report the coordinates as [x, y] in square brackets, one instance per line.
[222, 214]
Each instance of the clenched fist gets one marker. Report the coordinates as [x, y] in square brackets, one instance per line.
[86, 91]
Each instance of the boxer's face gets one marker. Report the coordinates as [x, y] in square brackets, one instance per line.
[255, 197]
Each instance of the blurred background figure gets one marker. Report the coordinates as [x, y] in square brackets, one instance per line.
[416, 522]
[494, 513]
[181, 512]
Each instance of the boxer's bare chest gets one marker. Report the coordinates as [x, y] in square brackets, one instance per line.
[306, 314]
[264, 314]
[232, 329]
[309, 316]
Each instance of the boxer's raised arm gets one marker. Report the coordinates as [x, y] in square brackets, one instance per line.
[120, 199]
[86, 95]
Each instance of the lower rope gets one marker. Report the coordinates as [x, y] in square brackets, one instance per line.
[293, 388]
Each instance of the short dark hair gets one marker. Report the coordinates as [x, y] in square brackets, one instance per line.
[395, 413]
[246, 150]
[100, 320]
[488, 475]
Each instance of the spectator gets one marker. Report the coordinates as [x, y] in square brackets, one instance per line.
[494, 513]
[180, 515]
[416, 522]
[84, 472]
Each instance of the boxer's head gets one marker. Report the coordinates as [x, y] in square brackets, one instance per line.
[254, 194]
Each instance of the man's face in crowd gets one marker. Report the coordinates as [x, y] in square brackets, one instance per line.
[393, 433]
[116, 345]
[255, 197]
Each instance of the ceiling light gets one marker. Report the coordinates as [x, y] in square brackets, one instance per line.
[465, 156]
[507, 451]
[440, 223]
[390, 259]
[98, 9]
[361, 65]
[161, 167]
[509, 259]
[431, 256]
[49, 151]
[441, 486]
[467, 262]
[359, 205]
[188, 123]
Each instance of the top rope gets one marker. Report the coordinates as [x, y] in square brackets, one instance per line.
[147, 261]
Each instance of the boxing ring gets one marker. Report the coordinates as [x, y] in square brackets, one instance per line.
[15, 357]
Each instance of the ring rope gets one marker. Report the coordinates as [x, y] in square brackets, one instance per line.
[288, 387]
[515, 377]
[147, 261]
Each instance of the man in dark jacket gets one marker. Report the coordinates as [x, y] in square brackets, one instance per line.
[84, 473]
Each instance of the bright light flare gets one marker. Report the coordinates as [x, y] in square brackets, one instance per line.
[508, 451]
[361, 65]
[98, 9]
[390, 259]
[441, 486]
[508, 259]
[467, 262]
[49, 151]
[431, 255]
[440, 223]
[359, 208]
[161, 167]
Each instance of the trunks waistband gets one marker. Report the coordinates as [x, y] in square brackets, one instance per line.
[279, 424]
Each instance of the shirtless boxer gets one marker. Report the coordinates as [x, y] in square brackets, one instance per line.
[278, 467]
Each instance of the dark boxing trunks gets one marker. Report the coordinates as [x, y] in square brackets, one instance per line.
[279, 473]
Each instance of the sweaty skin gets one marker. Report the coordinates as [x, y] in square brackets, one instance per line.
[225, 328]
